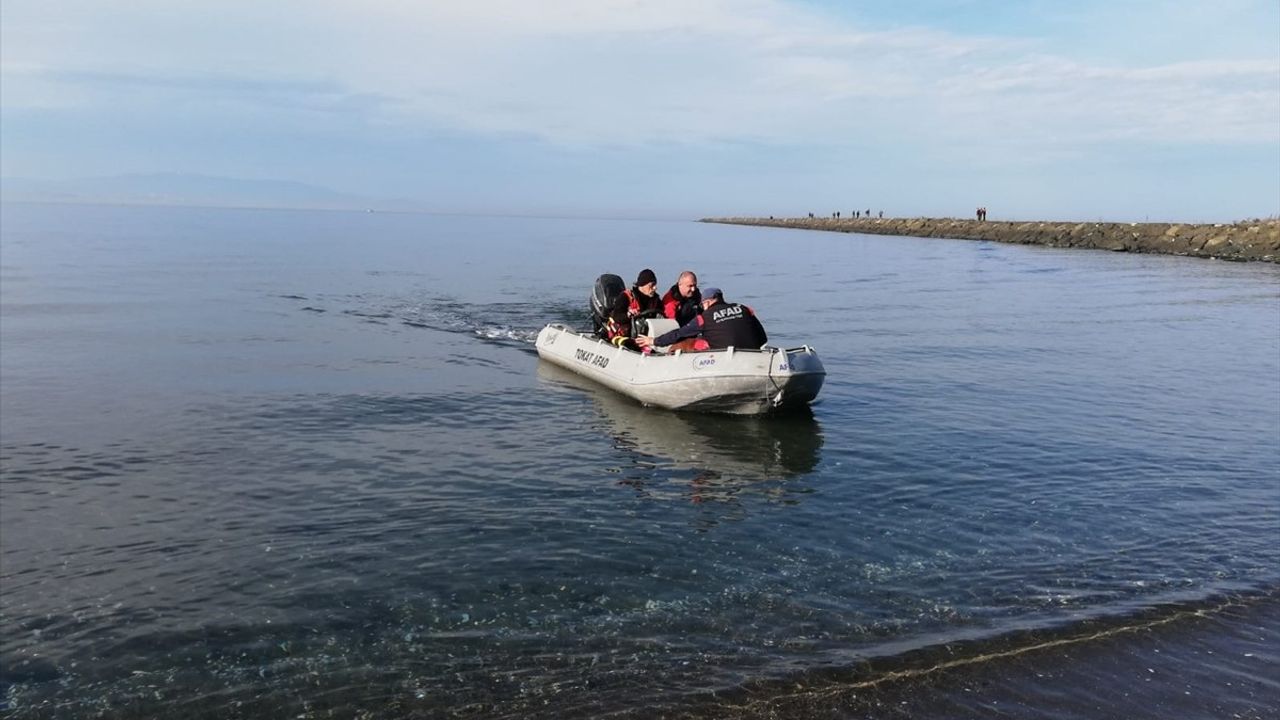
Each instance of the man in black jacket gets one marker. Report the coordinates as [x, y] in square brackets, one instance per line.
[722, 324]
[641, 299]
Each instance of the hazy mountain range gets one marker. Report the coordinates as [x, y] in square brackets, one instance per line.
[190, 189]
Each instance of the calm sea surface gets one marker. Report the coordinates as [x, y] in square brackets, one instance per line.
[293, 464]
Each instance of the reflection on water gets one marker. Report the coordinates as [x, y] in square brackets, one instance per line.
[725, 450]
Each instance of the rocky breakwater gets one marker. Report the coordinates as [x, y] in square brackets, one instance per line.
[1242, 241]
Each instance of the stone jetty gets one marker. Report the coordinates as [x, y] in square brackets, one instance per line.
[1242, 241]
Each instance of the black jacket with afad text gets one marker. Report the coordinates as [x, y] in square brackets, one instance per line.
[722, 325]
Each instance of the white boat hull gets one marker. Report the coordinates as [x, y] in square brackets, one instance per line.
[740, 382]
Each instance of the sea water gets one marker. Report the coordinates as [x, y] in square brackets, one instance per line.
[274, 464]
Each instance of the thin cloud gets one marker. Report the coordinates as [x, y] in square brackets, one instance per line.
[776, 99]
[587, 72]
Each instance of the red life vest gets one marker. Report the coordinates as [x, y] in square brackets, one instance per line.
[633, 303]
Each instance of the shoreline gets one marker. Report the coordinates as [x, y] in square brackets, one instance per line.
[1200, 659]
[1241, 242]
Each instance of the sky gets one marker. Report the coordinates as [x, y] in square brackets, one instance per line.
[1086, 110]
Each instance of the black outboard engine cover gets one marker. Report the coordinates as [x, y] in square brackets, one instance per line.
[603, 296]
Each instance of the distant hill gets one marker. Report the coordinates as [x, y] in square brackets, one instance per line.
[187, 189]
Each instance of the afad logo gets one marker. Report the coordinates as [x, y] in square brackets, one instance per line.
[704, 362]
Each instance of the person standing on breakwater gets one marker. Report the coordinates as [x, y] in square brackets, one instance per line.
[641, 299]
[683, 301]
[721, 325]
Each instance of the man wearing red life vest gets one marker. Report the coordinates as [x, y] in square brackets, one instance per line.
[683, 302]
[641, 298]
[722, 324]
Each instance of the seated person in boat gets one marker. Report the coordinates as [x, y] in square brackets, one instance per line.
[722, 324]
[641, 299]
[683, 302]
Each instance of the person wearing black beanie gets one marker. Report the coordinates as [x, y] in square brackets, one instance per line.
[641, 299]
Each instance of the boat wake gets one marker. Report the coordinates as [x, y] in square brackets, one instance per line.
[508, 323]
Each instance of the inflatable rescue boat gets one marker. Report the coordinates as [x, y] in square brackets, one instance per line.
[740, 381]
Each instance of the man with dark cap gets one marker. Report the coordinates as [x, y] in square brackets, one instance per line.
[641, 299]
[721, 325]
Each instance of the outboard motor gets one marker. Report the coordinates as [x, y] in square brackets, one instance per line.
[603, 296]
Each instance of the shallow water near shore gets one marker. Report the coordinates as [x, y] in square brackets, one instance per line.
[282, 464]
